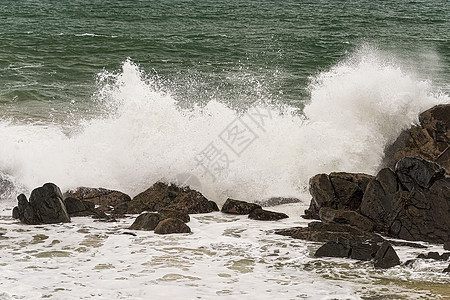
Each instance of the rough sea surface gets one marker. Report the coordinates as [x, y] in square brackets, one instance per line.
[242, 99]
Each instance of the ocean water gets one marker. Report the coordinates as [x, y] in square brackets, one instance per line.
[242, 99]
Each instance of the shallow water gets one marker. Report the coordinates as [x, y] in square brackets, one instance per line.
[224, 256]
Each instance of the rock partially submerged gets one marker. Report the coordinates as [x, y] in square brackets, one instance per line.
[162, 196]
[149, 221]
[266, 215]
[106, 199]
[46, 206]
[321, 232]
[172, 225]
[411, 203]
[238, 207]
[386, 257]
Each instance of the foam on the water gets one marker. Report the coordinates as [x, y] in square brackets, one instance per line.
[355, 110]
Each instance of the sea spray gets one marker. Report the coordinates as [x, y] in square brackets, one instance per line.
[142, 136]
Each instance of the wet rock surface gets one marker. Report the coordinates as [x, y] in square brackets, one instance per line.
[172, 225]
[411, 203]
[98, 196]
[45, 206]
[238, 207]
[162, 196]
[386, 257]
[266, 215]
[430, 140]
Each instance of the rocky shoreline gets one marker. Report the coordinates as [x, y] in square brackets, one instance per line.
[408, 199]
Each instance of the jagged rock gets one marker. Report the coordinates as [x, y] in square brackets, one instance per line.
[364, 251]
[349, 217]
[341, 248]
[386, 257]
[162, 196]
[172, 225]
[337, 190]
[413, 171]
[312, 212]
[146, 221]
[418, 213]
[266, 215]
[430, 140]
[238, 207]
[321, 232]
[98, 196]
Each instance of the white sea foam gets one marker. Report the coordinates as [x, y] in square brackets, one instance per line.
[355, 109]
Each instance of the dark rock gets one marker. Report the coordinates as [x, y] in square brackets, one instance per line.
[430, 140]
[129, 233]
[78, 208]
[312, 212]
[26, 212]
[349, 217]
[265, 215]
[388, 181]
[321, 232]
[146, 221]
[341, 248]
[413, 171]
[166, 214]
[337, 190]
[386, 257]
[364, 251]
[409, 263]
[172, 225]
[47, 203]
[15, 213]
[162, 196]
[238, 207]
[322, 191]
[98, 196]
[447, 245]
[435, 256]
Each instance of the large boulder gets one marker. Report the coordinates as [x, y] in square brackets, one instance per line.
[162, 197]
[99, 196]
[172, 225]
[238, 207]
[146, 221]
[415, 205]
[337, 190]
[149, 221]
[429, 140]
[45, 206]
[79, 208]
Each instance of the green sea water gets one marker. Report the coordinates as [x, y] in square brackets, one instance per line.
[231, 51]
